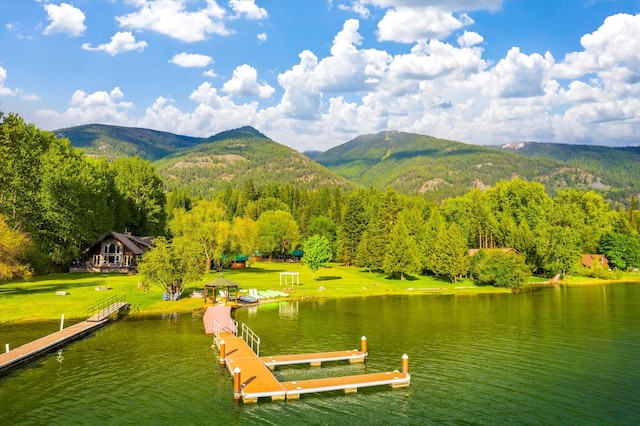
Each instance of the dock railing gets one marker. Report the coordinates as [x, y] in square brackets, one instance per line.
[251, 338]
[217, 328]
[100, 308]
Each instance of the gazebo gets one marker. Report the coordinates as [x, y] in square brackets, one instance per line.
[221, 282]
[294, 276]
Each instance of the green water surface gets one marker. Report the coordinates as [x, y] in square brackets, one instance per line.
[558, 355]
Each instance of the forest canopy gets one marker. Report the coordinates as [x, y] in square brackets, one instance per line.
[61, 200]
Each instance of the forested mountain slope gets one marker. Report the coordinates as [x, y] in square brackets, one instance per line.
[233, 157]
[618, 167]
[111, 142]
[442, 168]
[409, 162]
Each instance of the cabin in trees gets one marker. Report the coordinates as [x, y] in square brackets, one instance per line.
[589, 260]
[114, 252]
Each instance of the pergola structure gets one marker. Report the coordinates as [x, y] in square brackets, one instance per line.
[294, 276]
[222, 283]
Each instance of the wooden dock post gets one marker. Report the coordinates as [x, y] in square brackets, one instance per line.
[405, 364]
[62, 323]
[363, 345]
[6, 347]
[223, 352]
[237, 395]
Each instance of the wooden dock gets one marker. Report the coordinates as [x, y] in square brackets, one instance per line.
[349, 384]
[315, 359]
[31, 350]
[256, 379]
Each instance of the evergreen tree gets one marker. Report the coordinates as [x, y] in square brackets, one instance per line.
[372, 248]
[428, 241]
[451, 252]
[353, 224]
[402, 252]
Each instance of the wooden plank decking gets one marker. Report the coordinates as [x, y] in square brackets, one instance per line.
[256, 378]
[314, 359]
[347, 383]
[45, 344]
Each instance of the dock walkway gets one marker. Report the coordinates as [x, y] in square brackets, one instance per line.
[257, 379]
[46, 344]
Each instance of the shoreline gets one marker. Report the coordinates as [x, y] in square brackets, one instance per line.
[146, 304]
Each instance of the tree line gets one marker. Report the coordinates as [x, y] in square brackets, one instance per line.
[58, 201]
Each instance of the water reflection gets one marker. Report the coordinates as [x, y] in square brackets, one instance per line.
[288, 310]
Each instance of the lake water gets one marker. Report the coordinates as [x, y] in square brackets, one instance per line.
[557, 355]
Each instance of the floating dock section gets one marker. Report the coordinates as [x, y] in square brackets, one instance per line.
[239, 349]
[100, 315]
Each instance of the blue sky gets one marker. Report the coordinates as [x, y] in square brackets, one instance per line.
[313, 74]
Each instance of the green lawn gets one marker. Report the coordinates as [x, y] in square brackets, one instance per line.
[37, 299]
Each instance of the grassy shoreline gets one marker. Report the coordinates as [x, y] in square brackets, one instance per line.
[36, 300]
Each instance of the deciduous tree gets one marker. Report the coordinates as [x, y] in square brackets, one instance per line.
[317, 252]
[277, 232]
[139, 184]
[14, 246]
[206, 225]
[172, 266]
[500, 269]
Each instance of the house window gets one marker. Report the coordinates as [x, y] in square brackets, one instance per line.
[111, 248]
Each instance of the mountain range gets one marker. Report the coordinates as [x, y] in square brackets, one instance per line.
[411, 163]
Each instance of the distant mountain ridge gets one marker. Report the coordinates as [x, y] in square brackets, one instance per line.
[409, 162]
[102, 140]
[442, 168]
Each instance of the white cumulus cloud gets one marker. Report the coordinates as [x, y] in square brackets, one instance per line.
[407, 25]
[120, 42]
[248, 9]
[97, 107]
[188, 60]
[172, 18]
[65, 19]
[5, 91]
[245, 83]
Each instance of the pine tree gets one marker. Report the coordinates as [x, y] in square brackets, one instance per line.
[402, 252]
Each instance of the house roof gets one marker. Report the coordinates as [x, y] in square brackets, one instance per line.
[136, 245]
[590, 259]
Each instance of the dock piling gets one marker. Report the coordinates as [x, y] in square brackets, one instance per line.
[237, 395]
[222, 352]
[62, 323]
[363, 345]
[7, 347]
[405, 364]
